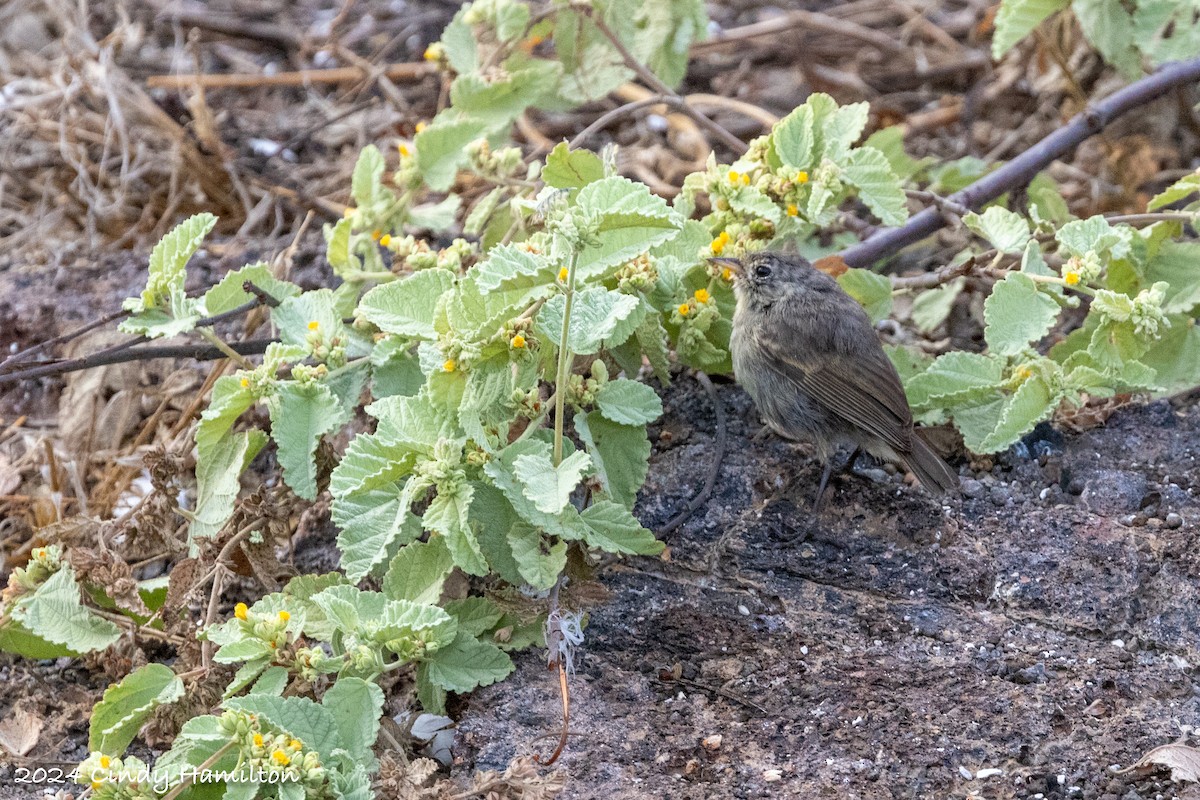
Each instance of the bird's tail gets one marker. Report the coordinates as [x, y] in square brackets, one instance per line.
[934, 473]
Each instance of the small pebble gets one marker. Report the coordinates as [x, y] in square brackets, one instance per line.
[712, 743]
[990, 772]
[966, 773]
[772, 775]
[1173, 520]
[1127, 520]
[972, 488]
[1000, 496]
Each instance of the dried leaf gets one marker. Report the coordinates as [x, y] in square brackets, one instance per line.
[831, 265]
[19, 733]
[1183, 761]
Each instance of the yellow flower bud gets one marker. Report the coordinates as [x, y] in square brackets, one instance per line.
[404, 151]
[517, 341]
[727, 274]
[258, 740]
[792, 210]
[105, 761]
[684, 308]
[733, 177]
[240, 611]
[96, 785]
[433, 52]
[377, 234]
[386, 240]
[702, 296]
[284, 616]
[1071, 278]
[562, 275]
[801, 177]
[449, 366]
[348, 212]
[295, 744]
[281, 758]
[313, 325]
[745, 180]
[245, 383]
[420, 126]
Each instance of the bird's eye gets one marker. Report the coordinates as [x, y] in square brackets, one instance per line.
[762, 271]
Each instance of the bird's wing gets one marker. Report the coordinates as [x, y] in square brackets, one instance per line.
[862, 389]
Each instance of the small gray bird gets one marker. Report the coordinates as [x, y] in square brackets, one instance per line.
[807, 354]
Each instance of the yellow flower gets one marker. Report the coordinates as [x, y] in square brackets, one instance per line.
[1023, 372]
[281, 758]
[258, 740]
[245, 383]
[312, 326]
[733, 177]
[1071, 278]
[745, 180]
[792, 210]
[449, 366]
[386, 240]
[517, 341]
[296, 744]
[433, 52]
[284, 616]
[702, 296]
[348, 212]
[377, 234]
[39, 552]
[240, 611]
[727, 274]
[404, 151]
[96, 785]
[562, 275]
[684, 308]
[105, 761]
[718, 244]
[801, 177]
[420, 126]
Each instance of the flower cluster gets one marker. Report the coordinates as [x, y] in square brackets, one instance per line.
[277, 754]
[43, 562]
[270, 628]
[1144, 311]
[1082, 269]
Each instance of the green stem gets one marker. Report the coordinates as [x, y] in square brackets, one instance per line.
[383, 276]
[208, 762]
[564, 364]
[216, 342]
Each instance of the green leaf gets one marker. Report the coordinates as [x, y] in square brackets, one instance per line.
[228, 294]
[295, 316]
[273, 681]
[595, 314]
[501, 470]
[436, 217]
[126, 705]
[1184, 187]
[954, 378]
[621, 454]
[374, 460]
[1016, 314]
[339, 251]
[418, 572]
[55, 613]
[475, 615]
[448, 515]
[843, 128]
[1177, 263]
[1094, 234]
[498, 102]
[440, 149]
[872, 290]
[539, 560]
[931, 308]
[372, 523]
[466, 664]
[1033, 402]
[1165, 30]
[1109, 27]
[218, 475]
[628, 402]
[613, 528]
[366, 183]
[432, 698]
[247, 674]
[355, 706]
[878, 187]
[300, 415]
[794, 137]
[1016, 19]
[1175, 357]
[546, 486]
[630, 220]
[571, 169]
[405, 307]
[314, 725]
[460, 46]
[1004, 230]
[890, 142]
[164, 292]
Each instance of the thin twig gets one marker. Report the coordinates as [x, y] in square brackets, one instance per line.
[650, 79]
[248, 80]
[200, 352]
[617, 113]
[714, 469]
[24, 355]
[1022, 169]
[555, 642]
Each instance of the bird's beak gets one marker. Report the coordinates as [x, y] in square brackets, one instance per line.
[731, 263]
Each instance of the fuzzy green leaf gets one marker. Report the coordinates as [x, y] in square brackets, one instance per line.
[1184, 187]
[1004, 230]
[372, 523]
[954, 378]
[539, 560]
[1033, 402]
[355, 705]
[594, 317]
[1016, 19]
[612, 527]
[164, 309]
[313, 724]
[1081, 236]
[872, 290]
[628, 402]
[475, 615]
[218, 473]
[546, 486]
[448, 515]
[621, 454]
[931, 308]
[1109, 27]
[878, 187]
[366, 182]
[300, 415]
[55, 613]
[228, 294]
[418, 572]
[631, 220]
[466, 664]
[1017, 314]
[571, 169]
[440, 149]
[405, 307]
[126, 705]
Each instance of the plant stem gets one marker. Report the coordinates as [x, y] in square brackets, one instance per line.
[217, 342]
[208, 762]
[564, 363]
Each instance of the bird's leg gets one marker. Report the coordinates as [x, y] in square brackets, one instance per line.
[819, 500]
[858, 451]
